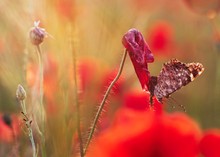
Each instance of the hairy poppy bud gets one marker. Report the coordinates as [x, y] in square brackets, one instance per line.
[37, 34]
[20, 93]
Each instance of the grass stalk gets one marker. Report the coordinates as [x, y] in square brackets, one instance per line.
[78, 119]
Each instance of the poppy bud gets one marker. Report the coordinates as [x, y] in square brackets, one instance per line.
[37, 34]
[20, 93]
[140, 54]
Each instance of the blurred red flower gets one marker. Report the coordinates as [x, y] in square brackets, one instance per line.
[50, 76]
[161, 38]
[88, 70]
[139, 100]
[118, 87]
[140, 55]
[66, 8]
[95, 77]
[146, 134]
[90, 76]
[31, 74]
[9, 127]
[50, 80]
[210, 143]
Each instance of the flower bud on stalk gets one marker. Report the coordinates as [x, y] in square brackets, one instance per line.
[20, 93]
[37, 34]
[140, 55]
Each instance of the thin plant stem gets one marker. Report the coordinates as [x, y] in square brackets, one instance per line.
[28, 125]
[41, 74]
[77, 102]
[104, 100]
[41, 93]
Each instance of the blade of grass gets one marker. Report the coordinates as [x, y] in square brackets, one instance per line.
[76, 100]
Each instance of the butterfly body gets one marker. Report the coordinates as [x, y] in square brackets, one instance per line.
[172, 77]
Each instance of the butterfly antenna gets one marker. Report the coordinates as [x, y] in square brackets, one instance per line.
[169, 103]
[178, 104]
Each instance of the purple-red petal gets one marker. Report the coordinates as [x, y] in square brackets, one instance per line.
[140, 55]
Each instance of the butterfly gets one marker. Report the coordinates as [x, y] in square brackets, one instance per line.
[173, 76]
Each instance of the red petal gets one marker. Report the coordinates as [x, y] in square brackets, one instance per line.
[140, 55]
[146, 134]
[210, 143]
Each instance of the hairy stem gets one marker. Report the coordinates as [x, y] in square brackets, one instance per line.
[104, 100]
[28, 125]
[41, 93]
[41, 75]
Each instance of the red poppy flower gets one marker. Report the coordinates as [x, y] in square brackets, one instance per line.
[161, 38]
[146, 134]
[138, 100]
[210, 143]
[140, 55]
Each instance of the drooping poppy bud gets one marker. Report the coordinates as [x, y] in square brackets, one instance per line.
[140, 55]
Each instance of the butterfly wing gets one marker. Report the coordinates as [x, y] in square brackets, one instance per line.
[175, 75]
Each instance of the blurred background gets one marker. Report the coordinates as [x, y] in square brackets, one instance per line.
[92, 30]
